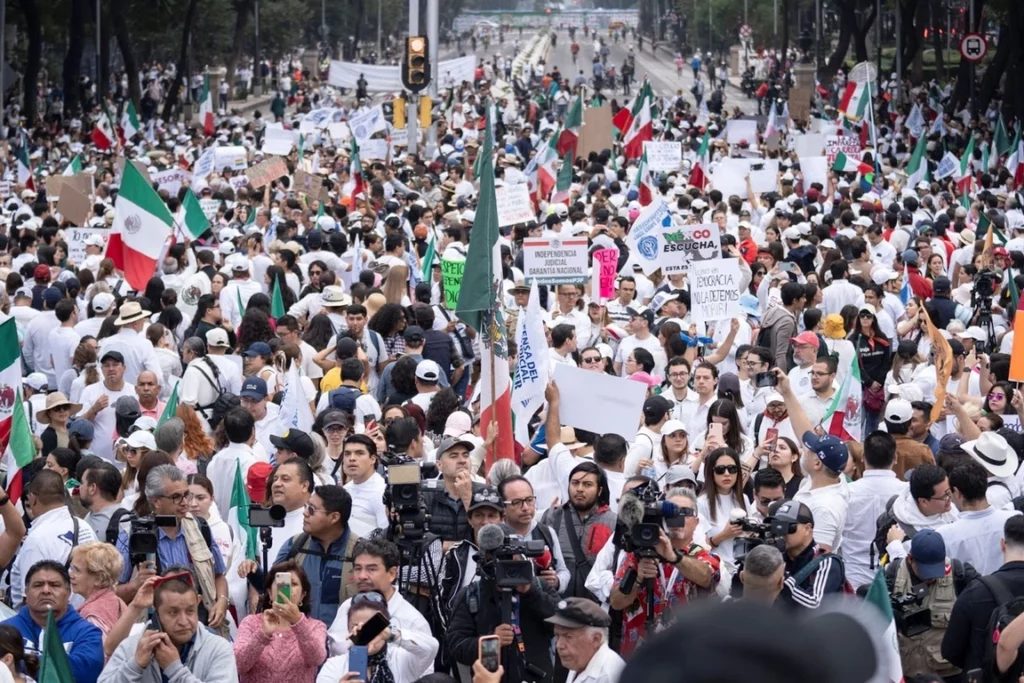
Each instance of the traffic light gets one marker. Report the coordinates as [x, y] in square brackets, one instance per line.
[398, 107]
[416, 67]
[426, 107]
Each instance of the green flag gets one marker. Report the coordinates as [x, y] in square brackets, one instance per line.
[171, 408]
[276, 301]
[54, 666]
[917, 169]
[74, 167]
[427, 264]
[196, 222]
[251, 218]
[238, 300]
[1014, 293]
[1001, 139]
[238, 513]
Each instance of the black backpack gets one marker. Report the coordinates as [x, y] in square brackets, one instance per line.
[764, 337]
[1008, 608]
[886, 521]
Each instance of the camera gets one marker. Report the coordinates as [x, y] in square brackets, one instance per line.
[985, 284]
[142, 536]
[506, 558]
[645, 513]
[771, 532]
[911, 616]
[403, 497]
[260, 516]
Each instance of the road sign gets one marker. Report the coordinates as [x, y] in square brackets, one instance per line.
[973, 47]
[745, 32]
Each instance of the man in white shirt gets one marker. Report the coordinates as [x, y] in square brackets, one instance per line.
[64, 340]
[974, 537]
[869, 496]
[824, 490]
[264, 413]
[618, 307]
[217, 346]
[840, 292]
[129, 341]
[365, 485]
[239, 429]
[238, 291]
[805, 351]
[98, 403]
[565, 310]
[640, 322]
[102, 304]
[291, 487]
[428, 383]
[647, 444]
[563, 344]
[53, 533]
[684, 402]
[581, 641]
[36, 344]
[881, 251]
[817, 401]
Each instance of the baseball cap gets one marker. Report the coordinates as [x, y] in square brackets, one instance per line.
[254, 388]
[413, 333]
[347, 348]
[102, 302]
[831, 451]
[808, 338]
[81, 429]
[23, 293]
[673, 426]
[258, 349]
[579, 613]
[296, 441]
[36, 380]
[52, 295]
[218, 337]
[41, 272]
[898, 411]
[956, 347]
[642, 312]
[910, 257]
[794, 511]
[940, 284]
[142, 439]
[256, 480]
[929, 552]
[880, 276]
[428, 371]
[487, 497]
[655, 408]
[112, 355]
[458, 424]
[451, 442]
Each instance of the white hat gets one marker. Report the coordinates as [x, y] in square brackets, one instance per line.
[428, 371]
[882, 275]
[142, 439]
[994, 454]
[898, 411]
[673, 426]
[827, 243]
[469, 215]
[102, 302]
[94, 240]
[218, 337]
[130, 312]
[863, 220]
[974, 332]
[334, 296]
[228, 234]
[36, 380]
[698, 204]
[923, 186]
[239, 263]
[226, 248]
[791, 233]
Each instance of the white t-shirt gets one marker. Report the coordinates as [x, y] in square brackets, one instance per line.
[652, 344]
[368, 511]
[828, 506]
[105, 420]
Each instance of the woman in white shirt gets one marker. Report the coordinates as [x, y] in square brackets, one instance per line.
[723, 493]
[723, 412]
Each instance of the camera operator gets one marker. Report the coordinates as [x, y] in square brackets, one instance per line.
[520, 511]
[459, 565]
[601, 578]
[447, 498]
[189, 544]
[811, 573]
[681, 571]
[516, 615]
[769, 487]
[763, 574]
[924, 586]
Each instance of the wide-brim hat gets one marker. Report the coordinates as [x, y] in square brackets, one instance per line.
[993, 453]
[55, 400]
[131, 311]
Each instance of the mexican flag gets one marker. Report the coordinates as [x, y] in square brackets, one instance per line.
[571, 128]
[855, 100]
[129, 123]
[206, 107]
[546, 174]
[640, 130]
[698, 176]
[25, 177]
[843, 417]
[427, 264]
[196, 222]
[103, 133]
[644, 182]
[276, 301]
[878, 596]
[142, 224]
[1015, 162]
[355, 168]
[170, 408]
[479, 306]
[15, 434]
[54, 666]
[74, 167]
[238, 514]
[624, 116]
[963, 174]
[1001, 138]
[564, 180]
[917, 169]
[845, 164]
[772, 125]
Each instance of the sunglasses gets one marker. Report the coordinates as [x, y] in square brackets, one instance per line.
[593, 360]
[370, 596]
[726, 469]
[997, 395]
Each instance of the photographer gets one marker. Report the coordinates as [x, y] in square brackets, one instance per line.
[811, 573]
[459, 564]
[680, 571]
[447, 499]
[924, 586]
[516, 615]
[520, 512]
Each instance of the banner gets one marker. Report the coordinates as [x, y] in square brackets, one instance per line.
[664, 156]
[76, 242]
[555, 261]
[366, 123]
[234, 157]
[267, 170]
[210, 208]
[204, 165]
[450, 72]
[847, 144]
[644, 236]
[606, 262]
[715, 290]
[514, 205]
[683, 245]
[948, 165]
[451, 281]
[171, 179]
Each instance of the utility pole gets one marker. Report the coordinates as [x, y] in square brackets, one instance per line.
[379, 4]
[3, 60]
[414, 99]
[775, 25]
[899, 51]
[433, 43]
[819, 35]
[971, 28]
[256, 60]
[99, 6]
[878, 36]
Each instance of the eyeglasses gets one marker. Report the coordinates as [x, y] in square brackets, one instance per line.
[520, 502]
[592, 360]
[678, 375]
[997, 395]
[948, 495]
[726, 469]
[334, 428]
[311, 509]
[820, 374]
[177, 498]
[765, 502]
[569, 295]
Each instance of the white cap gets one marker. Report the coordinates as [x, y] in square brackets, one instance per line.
[36, 380]
[882, 275]
[94, 240]
[217, 336]
[898, 411]
[142, 439]
[863, 220]
[791, 233]
[102, 302]
[428, 371]
[974, 332]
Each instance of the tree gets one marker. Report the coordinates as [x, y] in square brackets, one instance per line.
[33, 60]
[180, 72]
[73, 60]
[119, 12]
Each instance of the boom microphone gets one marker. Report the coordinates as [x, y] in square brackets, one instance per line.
[491, 537]
[631, 510]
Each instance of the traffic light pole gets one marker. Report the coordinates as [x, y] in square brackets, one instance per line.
[432, 46]
[414, 98]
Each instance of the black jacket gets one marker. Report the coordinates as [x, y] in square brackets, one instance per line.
[875, 359]
[945, 308]
[964, 642]
[448, 518]
[810, 590]
[466, 626]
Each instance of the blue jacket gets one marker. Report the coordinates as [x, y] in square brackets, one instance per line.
[82, 640]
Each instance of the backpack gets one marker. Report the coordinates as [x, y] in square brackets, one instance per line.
[886, 521]
[205, 411]
[764, 337]
[1018, 502]
[344, 398]
[1008, 607]
[812, 567]
[224, 403]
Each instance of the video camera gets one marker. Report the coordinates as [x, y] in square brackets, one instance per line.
[769, 532]
[908, 610]
[499, 557]
[142, 536]
[403, 497]
[986, 286]
[643, 512]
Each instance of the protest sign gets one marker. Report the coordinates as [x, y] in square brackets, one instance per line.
[664, 156]
[451, 281]
[847, 144]
[267, 170]
[1009, 421]
[5, 188]
[741, 130]
[514, 205]
[606, 262]
[308, 184]
[555, 261]
[714, 290]
[730, 177]
[948, 165]
[809, 145]
[171, 179]
[74, 206]
[277, 141]
[764, 175]
[375, 148]
[338, 131]
[815, 170]
[682, 245]
[233, 157]
[596, 131]
[204, 165]
[366, 123]
[237, 182]
[598, 402]
[644, 237]
[210, 208]
[56, 183]
[76, 242]
[800, 103]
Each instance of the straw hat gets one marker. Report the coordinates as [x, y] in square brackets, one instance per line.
[131, 311]
[55, 400]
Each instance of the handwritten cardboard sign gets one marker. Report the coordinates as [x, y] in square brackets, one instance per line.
[266, 171]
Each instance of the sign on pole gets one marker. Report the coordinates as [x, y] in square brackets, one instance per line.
[973, 47]
[686, 244]
[555, 261]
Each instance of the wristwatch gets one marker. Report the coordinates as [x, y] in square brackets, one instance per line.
[396, 635]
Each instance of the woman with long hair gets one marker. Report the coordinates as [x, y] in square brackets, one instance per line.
[675, 447]
[599, 319]
[999, 400]
[84, 362]
[444, 403]
[196, 445]
[723, 493]
[907, 365]
[131, 452]
[154, 291]
[935, 268]
[315, 269]
[757, 273]
[390, 322]
[287, 261]
[22, 665]
[255, 327]
[784, 456]
[107, 272]
[403, 379]
[334, 425]
[915, 327]
[396, 286]
[319, 332]
[874, 351]
[275, 277]
[284, 358]
[723, 412]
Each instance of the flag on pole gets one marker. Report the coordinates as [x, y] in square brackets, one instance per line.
[355, 167]
[238, 514]
[276, 301]
[103, 131]
[54, 665]
[1014, 293]
[142, 224]
[644, 182]
[963, 177]
[845, 164]
[295, 412]
[564, 180]
[844, 415]
[196, 222]
[427, 264]
[170, 408]
[772, 126]
[917, 169]
[1015, 162]
[878, 596]
[640, 130]
[532, 367]
[479, 306]
[698, 175]
[129, 123]
[206, 106]
[24, 163]
[855, 100]
[20, 449]
[1001, 138]
[570, 134]
[74, 167]
[546, 174]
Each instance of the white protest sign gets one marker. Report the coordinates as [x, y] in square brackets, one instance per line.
[204, 165]
[598, 402]
[319, 117]
[338, 131]
[664, 156]
[277, 141]
[555, 261]
[210, 208]
[645, 236]
[809, 144]
[815, 170]
[514, 205]
[234, 158]
[238, 182]
[764, 176]
[365, 124]
[76, 241]
[376, 148]
[714, 290]
[399, 137]
[948, 165]
[730, 177]
[171, 179]
[741, 130]
[847, 144]
[5, 188]
[1009, 421]
[683, 245]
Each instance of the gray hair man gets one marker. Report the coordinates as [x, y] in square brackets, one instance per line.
[763, 574]
[581, 640]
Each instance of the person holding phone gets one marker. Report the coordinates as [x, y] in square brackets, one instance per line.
[280, 641]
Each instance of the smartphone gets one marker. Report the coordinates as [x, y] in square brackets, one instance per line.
[765, 379]
[489, 652]
[715, 433]
[373, 627]
[357, 656]
[787, 266]
[283, 586]
[771, 437]
[369, 423]
[154, 620]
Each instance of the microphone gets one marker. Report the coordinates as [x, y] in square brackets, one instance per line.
[631, 510]
[544, 561]
[490, 537]
[737, 516]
